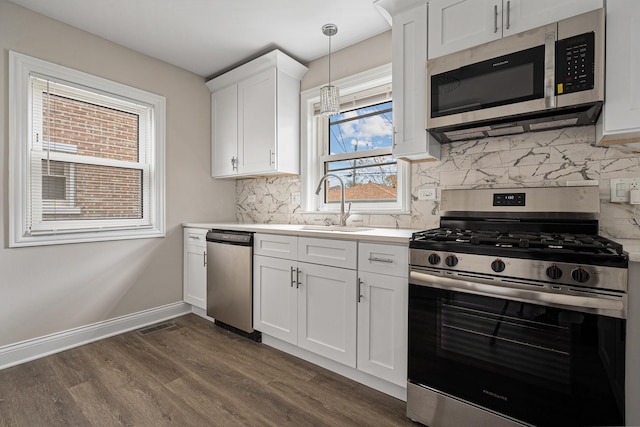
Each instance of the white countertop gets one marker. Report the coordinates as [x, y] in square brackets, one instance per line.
[390, 235]
[631, 246]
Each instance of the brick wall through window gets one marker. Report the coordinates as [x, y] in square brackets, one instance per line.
[94, 131]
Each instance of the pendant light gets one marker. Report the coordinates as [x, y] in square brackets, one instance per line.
[329, 96]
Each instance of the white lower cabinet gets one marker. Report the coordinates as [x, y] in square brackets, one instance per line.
[275, 297]
[195, 267]
[355, 317]
[306, 304]
[382, 310]
[382, 327]
[327, 312]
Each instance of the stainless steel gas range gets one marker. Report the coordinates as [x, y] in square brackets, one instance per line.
[517, 312]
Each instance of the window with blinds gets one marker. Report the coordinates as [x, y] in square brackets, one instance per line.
[358, 149]
[91, 169]
[357, 145]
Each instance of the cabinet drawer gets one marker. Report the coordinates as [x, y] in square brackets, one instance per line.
[385, 259]
[336, 253]
[195, 237]
[275, 245]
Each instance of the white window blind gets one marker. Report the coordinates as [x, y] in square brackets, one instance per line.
[91, 158]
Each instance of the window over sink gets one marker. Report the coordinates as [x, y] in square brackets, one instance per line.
[356, 145]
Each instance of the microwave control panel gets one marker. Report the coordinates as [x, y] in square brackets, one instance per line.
[575, 64]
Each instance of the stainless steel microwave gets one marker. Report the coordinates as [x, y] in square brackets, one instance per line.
[544, 78]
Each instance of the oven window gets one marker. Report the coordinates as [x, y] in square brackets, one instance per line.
[538, 364]
[505, 80]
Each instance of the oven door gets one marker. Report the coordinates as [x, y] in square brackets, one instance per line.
[534, 363]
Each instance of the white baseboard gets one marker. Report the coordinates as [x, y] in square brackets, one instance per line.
[15, 354]
[346, 371]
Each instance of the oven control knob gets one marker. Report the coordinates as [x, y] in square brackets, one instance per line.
[580, 275]
[434, 259]
[554, 272]
[497, 265]
[451, 260]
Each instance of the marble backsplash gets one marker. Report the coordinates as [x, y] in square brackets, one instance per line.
[529, 160]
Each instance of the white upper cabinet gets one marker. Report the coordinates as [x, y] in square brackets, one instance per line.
[409, 55]
[255, 118]
[224, 131]
[620, 118]
[459, 24]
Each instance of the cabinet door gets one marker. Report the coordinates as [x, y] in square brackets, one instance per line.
[522, 15]
[409, 55]
[275, 293]
[458, 24]
[257, 123]
[195, 267]
[620, 120]
[327, 312]
[224, 131]
[195, 276]
[382, 326]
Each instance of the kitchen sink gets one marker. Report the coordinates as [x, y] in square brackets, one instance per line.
[339, 228]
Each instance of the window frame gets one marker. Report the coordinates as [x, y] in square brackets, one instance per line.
[21, 140]
[313, 137]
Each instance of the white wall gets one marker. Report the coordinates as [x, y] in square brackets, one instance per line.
[54, 288]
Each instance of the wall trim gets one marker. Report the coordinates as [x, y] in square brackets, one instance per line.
[344, 370]
[25, 351]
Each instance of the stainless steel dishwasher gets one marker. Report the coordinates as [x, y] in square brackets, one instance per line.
[230, 281]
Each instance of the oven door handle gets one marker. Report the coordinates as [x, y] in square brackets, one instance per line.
[613, 305]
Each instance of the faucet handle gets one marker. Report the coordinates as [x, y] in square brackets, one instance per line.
[348, 209]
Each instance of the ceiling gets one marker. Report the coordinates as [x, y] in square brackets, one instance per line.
[208, 37]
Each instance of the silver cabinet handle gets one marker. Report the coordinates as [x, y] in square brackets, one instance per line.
[204, 259]
[508, 14]
[495, 18]
[293, 281]
[393, 138]
[298, 272]
[194, 237]
[549, 69]
[360, 283]
[234, 163]
[272, 157]
[387, 260]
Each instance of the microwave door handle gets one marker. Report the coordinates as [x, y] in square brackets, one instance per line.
[549, 69]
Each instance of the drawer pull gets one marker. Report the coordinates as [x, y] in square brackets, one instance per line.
[195, 237]
[387, 260]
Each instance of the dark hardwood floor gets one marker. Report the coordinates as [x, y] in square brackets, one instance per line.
[193, 374]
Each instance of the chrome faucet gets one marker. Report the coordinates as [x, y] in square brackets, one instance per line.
[343, 215]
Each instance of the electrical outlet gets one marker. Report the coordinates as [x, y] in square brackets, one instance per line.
[621, 188]
[251, 198]
[427, 194]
